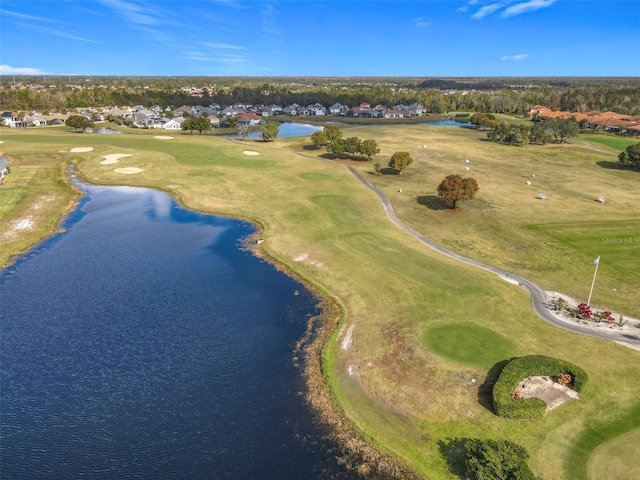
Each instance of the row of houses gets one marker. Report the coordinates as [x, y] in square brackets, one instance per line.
[607, 121]
[156, 116]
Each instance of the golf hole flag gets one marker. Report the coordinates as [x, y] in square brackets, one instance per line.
[597, 260]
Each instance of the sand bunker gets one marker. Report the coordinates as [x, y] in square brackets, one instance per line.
[113, 158]
[81, 149]
[544, 388]
[163, 137]
[251, 152]
[128, 170]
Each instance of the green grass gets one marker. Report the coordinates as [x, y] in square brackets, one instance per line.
[611, 141]
[468, 344]
[403, 396]
[616, 459]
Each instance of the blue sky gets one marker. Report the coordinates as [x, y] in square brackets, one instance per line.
[425, 38]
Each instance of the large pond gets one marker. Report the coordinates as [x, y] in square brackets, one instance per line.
[288, 130]
[144, 342]
[450, 123]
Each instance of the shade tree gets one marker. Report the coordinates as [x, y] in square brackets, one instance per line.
[631, 156]
[455, 188]
[400, 161]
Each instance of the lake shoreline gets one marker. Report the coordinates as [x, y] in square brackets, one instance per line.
[308, 355]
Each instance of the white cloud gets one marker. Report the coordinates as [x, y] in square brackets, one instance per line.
[9, 70]
[530, 6]
[515, 58]
[422, 22]
[488, 10]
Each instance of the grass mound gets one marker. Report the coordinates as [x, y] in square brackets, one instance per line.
[521, 368]
[468, 344]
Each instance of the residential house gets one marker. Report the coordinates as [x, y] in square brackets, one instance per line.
[11, 119]
[214, 120]
[317, 109]
[174, 124]
[291, 109]
[249, 119]
[338, 109]
[392, 113]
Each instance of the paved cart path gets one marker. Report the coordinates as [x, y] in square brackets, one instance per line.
[539, 299]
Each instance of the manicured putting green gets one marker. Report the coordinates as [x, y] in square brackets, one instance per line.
[468, 344]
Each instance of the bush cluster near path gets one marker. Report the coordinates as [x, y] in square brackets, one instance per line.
[519, 369]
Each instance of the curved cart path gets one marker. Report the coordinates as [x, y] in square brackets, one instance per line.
[539, 301]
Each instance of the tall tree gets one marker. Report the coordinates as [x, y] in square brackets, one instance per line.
[319, 139]
[352, 145]
[269, 131]
[369, 148]
[201, 124]
[79, 123]
[333, 134]
[631, 156]
[400, 161]
[455, 188]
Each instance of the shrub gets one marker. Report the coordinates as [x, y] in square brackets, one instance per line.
[496, 460]
[520, 368]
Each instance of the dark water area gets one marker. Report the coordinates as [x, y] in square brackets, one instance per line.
[145, 343]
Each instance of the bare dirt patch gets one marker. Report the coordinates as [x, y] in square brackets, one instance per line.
[81, 149]
[547, 390]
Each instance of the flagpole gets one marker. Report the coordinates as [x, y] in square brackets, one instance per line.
[597, 262]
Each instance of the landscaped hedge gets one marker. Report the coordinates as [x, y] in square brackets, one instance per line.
[520, 368]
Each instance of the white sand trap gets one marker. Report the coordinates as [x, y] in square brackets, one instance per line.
[81, 149]
[251, 152]
[163, 137]
[128, 170]
[114, 158]
[1, 141]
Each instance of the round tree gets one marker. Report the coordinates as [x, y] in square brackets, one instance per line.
[631, 156]
[400, 161]
[455, 188]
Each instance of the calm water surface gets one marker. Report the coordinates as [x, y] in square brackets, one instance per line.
[144, 343]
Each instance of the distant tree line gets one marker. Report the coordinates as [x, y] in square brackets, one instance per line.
[622, 96]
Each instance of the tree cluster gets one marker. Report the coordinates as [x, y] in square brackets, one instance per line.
[201, 124]
[332, 138]
[559, 129]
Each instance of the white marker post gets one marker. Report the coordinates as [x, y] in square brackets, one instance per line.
[596, 262]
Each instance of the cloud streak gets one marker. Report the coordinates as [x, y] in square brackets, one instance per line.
[508, 10]
[526, 7]
[515, 58]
